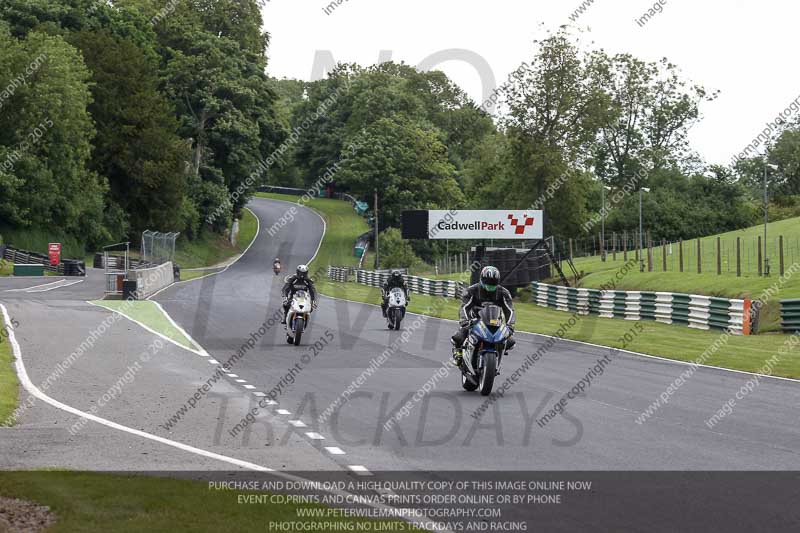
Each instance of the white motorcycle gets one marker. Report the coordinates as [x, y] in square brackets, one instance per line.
[396, 308]
[297, 317]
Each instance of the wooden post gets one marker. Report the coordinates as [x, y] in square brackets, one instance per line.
[699, 258]
[664, 254]
[760, 259]
[680, 254]
[719, 257]
[570, 249]
[602, 246]
[738, 257]
[625, 246]
[649, 253]
[780, 252]
[614, 249]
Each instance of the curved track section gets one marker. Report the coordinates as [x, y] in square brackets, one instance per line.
[371, 398]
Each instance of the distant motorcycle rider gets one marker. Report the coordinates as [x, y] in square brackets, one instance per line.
[276, 265]
[300, 281]
[395, 281]
[487, 291]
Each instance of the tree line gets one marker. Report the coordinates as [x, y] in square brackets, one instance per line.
[143, 117]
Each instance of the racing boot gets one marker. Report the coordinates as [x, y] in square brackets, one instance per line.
[458, 355]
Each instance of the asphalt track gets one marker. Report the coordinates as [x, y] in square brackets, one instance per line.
[598, 432]
[221, 312]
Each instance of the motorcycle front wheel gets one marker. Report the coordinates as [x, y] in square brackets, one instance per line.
[299, 325]
[488, 373]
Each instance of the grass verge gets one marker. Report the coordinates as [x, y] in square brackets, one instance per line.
[212, 249]
[9, 384]
[343, 226]
[748, 354]
[151, 315]
[91, 502]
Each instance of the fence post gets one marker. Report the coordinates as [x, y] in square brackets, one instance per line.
[699, 258]
[680, 253]
[625, 246]
[780, 252]
[664, 254]
[738, 257]
[570, 249]
[719, 257]
[760, 259]
[614, 248]
[649, 253]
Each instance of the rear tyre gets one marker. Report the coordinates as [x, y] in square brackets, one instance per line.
[299, 325]
[467, 384]
[488, 373]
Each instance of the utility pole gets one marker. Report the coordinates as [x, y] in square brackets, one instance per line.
[377, 252]
[767, 166]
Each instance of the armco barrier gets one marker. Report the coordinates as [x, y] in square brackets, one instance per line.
[432, 287]
[790, 316]
[700, 312]
[341, 274]
[151, 280]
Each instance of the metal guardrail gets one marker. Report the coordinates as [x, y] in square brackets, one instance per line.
[694, 311]
[432, 287]
[790, 316]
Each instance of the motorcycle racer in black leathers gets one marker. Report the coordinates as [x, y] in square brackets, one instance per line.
[395, 280]
[299, 282]
[487, 291]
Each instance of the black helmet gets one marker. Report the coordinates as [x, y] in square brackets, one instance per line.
[490, 278]
[302, 271]
[396, 274]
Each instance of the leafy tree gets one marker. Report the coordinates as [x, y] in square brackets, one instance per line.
[136, 145]
[46, 136]
[406, 163]
[649, 115]
[396, 252]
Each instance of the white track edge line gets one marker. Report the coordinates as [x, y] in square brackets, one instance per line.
[32, 389]
[148, 328]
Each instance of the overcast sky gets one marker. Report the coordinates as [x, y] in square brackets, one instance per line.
[744, 48]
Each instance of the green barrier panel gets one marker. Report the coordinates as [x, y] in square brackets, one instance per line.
[29, 270]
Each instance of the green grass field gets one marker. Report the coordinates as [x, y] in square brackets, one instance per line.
[95, 503]
[9, 385]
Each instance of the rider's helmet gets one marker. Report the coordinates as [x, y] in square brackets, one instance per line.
[277, 260]
[396, 275]
[302, 271]
[490, 278]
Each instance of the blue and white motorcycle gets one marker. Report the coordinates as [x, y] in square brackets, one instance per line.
[483, 350]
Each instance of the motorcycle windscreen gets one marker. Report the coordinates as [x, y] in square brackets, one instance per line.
[492, 316]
